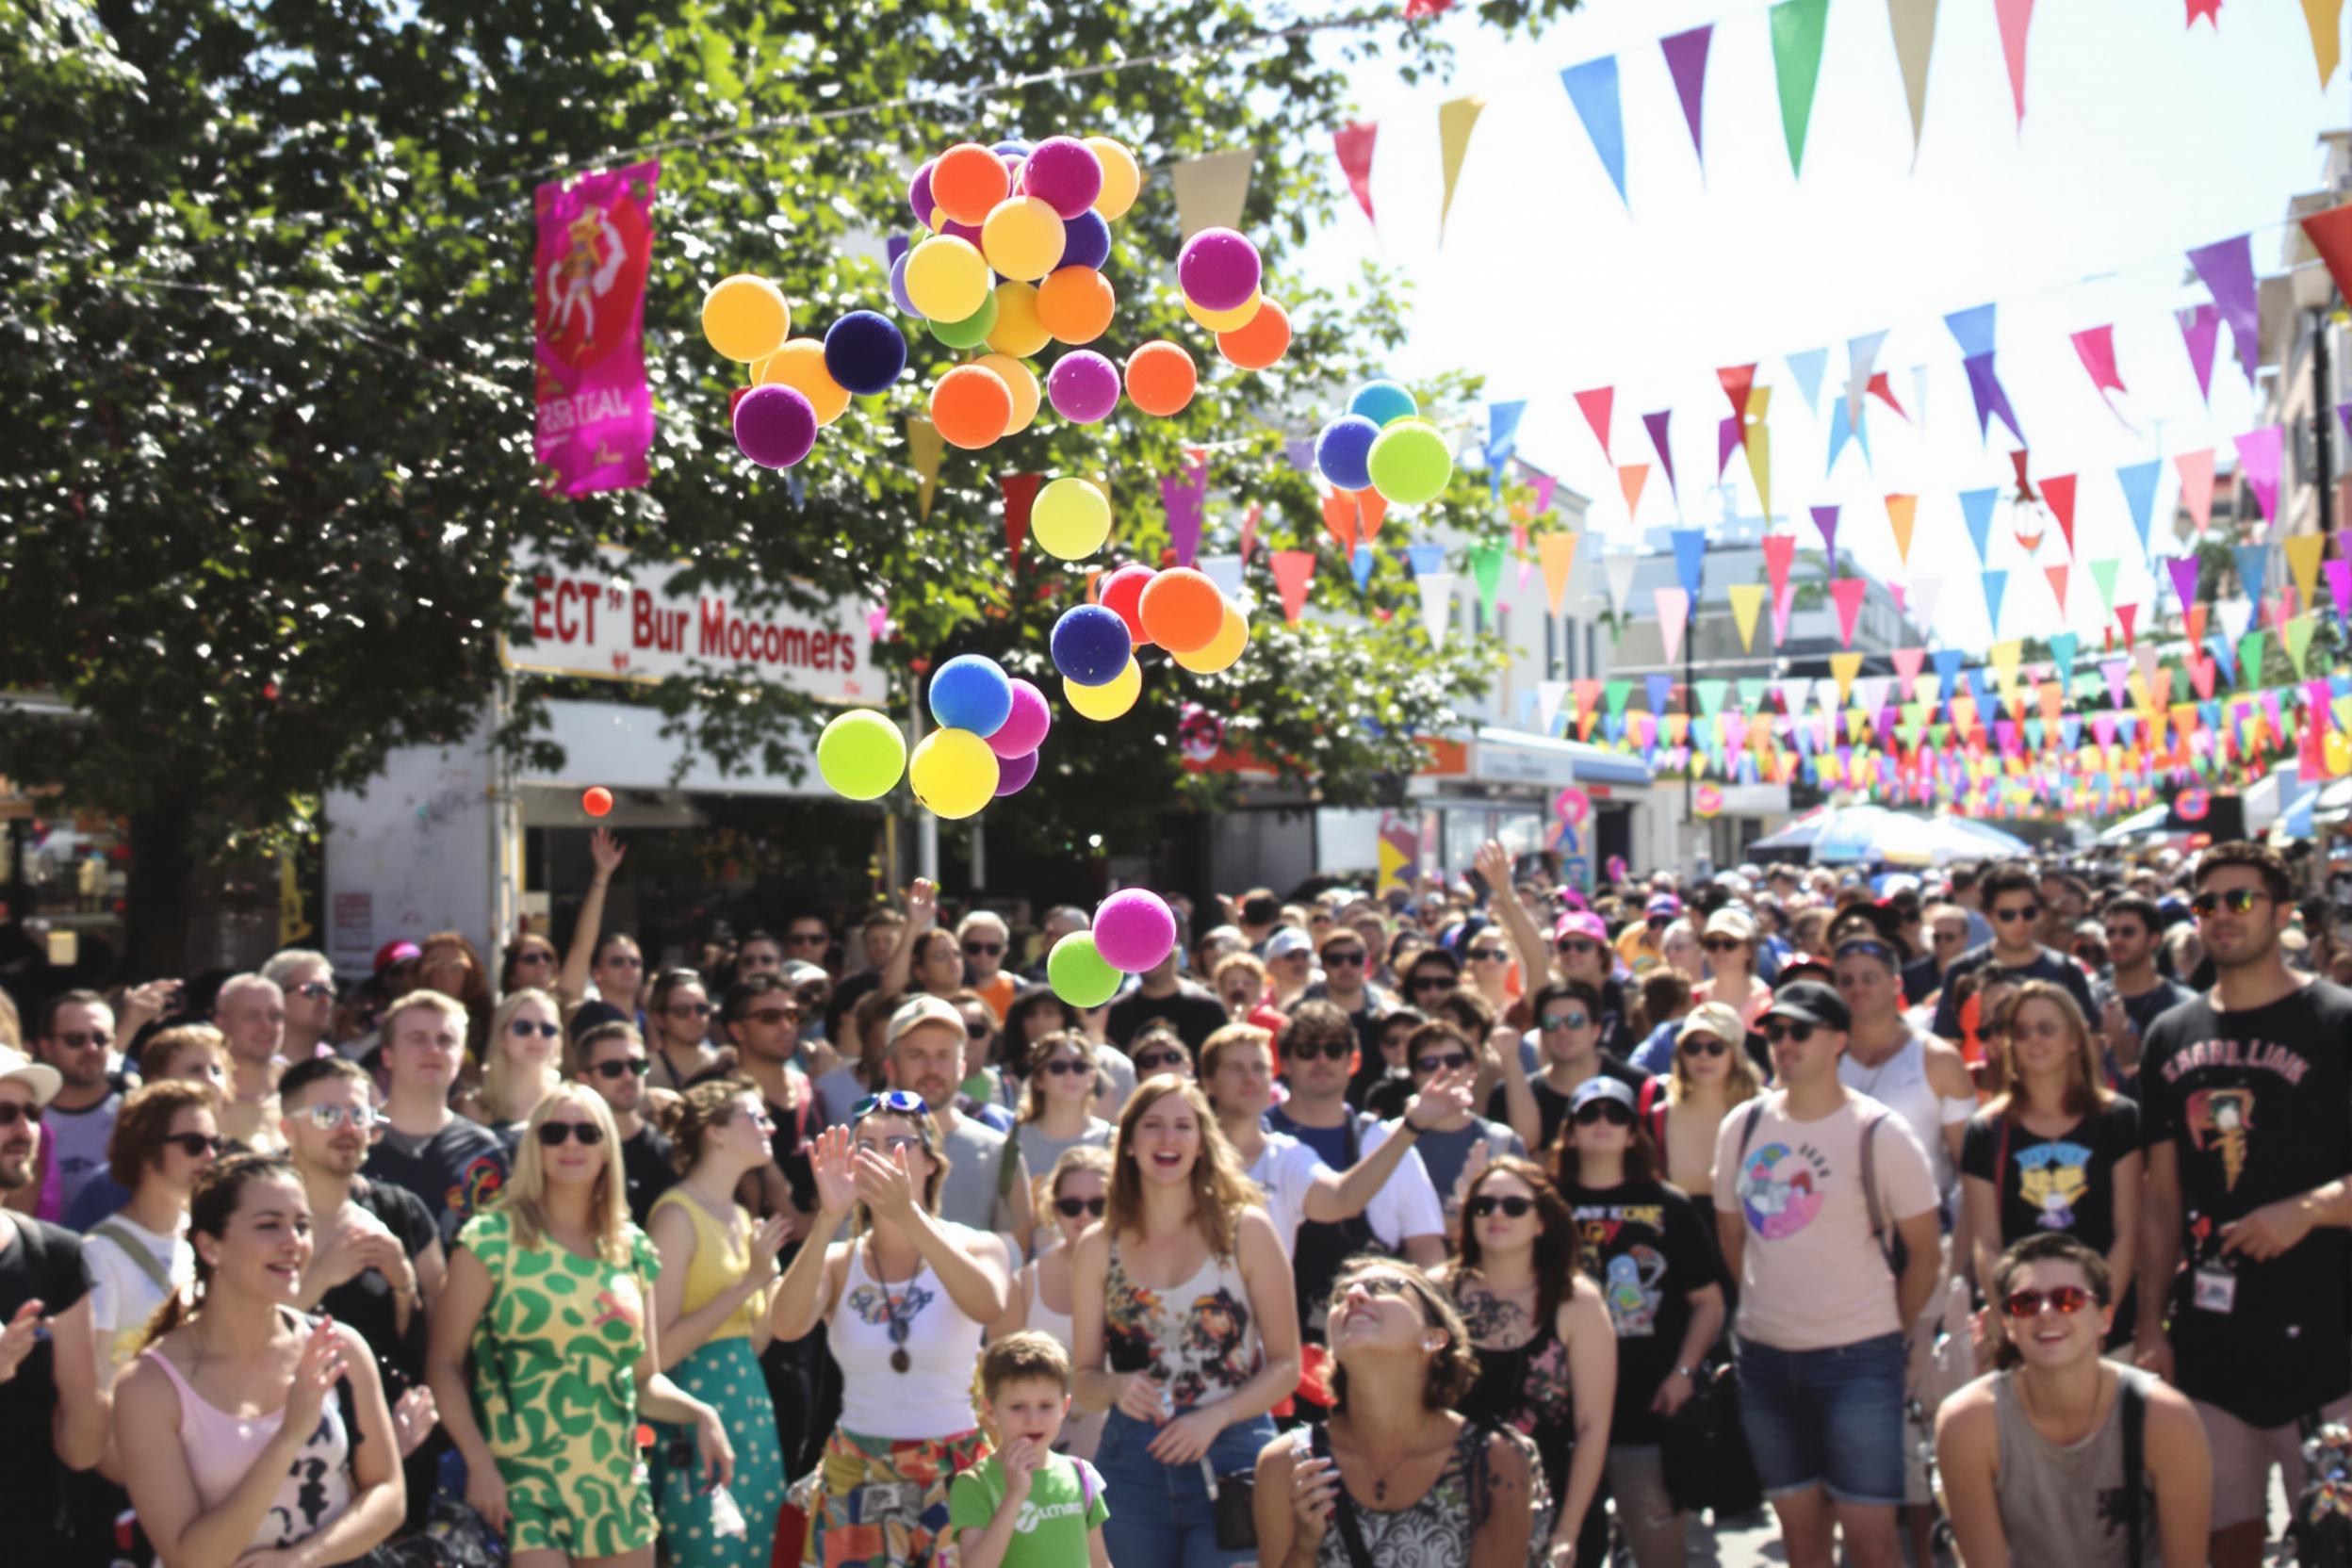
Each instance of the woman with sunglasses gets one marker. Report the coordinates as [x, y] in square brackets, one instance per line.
[679, 1039]
[165, 1138]
[550, 1292]
[1547, 1355]
[528, 963]
[1057, 1106]
[2033, 1458]
[1729, 946]
[1160, 1049]
[1648, 1247]
[526, 1063]
[710, 1302]
[905, 1301]
[1710, 1076]
[1073, 1197]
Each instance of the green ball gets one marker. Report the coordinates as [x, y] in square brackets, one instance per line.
[973, 330]
[861, 755]
[1411, 463]
[1078, 974]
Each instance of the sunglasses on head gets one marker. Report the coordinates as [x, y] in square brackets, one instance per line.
[522, 1028]
[1309, 1050]
[1704, 1045]
[2017, 912]
[30, 1113]
[360, 1119]
[197, 1145]
[2238, 901]
[1153, 1061]
[1866, 947]
[1450, 1062]
[984, 950]
[588, 1133]
[2065, 1301]
[1610, 1111]
[1553, 1021]
[1511, 1207]
[638, 1065]
[1071, 1208]
[894, 1101]
[1778, 1029]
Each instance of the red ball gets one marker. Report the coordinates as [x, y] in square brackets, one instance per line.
[1123, 594]
[597, 801]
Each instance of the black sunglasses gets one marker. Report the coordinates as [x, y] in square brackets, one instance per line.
[1068, 1066]
[1308, 1050]
[1493, 954]
[588, 1133]
[1152, 1061]
[78, 1039]
[1777, 1030]
[637, 1065]
[1704, 1045]
[1344, 960]
[979, 1028]
[1565, 1021]
[1614, 1112]
[687, 1009]
[2238, 901]
[1578, 945]
[1432, 982]
[1513, 1207]
[1451, 1061]
[522, 1028]
[321, 990]
[1071, 1208]
[2027, 911]
[30, 1113]
[984, 950]
[807, 939]
[1725, 944]
[197, 1145]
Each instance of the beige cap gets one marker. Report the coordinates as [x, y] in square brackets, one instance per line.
[42, 1079]
[1712, 1018]
[922, 1011]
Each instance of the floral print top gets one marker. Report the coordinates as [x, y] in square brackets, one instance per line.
[1195, 1339]
[1526, 1389]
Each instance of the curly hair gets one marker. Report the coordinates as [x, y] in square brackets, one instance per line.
[1452, 1369]
[703, 1109]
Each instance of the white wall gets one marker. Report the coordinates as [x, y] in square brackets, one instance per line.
[413, 852]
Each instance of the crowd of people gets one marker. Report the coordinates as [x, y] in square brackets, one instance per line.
[1482, 1222]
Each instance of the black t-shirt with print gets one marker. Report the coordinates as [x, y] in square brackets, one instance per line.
[454, 1173]
[1645, 1246]
[2259, 1107]
[43, 1263]
[2065, 1183]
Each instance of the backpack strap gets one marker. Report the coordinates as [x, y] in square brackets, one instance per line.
[1747, 1130]
[2134, 1420]
[1649, 1108]
[118, 1233]
[1870, 1123]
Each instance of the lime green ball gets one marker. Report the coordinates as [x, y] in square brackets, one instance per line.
[1078, 974]
[1411, 463]
[861, 755]
[972, 331]
[1070, 520]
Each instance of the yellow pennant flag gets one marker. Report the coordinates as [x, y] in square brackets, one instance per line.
[1455, 120]
[2303, 553]
[1211, 192]
[925, 447]
[1557, 552]
[1747, 599]
[1758, 438]
[1902, 513]
[2326, 20]
[2003, 657]
[1845, 666]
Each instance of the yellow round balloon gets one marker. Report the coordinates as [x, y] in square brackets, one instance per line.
[1122, 178]
[1070, 521]
[1022, 237]
[746, 318]
[1021, 383]
[1107, 702]
[2339, 752]
[953, 773]
[1018, 331]
[947, 278]
[800, 365]
[1224, 648]
[1226, 321]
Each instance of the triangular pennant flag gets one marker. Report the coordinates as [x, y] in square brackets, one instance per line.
[1596, 404]
[2303, 553]
[1841, 430]
[1593, 89]
[1502, 434]
[1758, 438]
[1747, 598]
[1883, 388]
[1861, 362]
[2325, 21]
[1976, 510]
[1455, 121]
[1355, 160]
[1737, 381]
[2253, 563]
[1843, 667]
[1727, 438]
[1184, 497]
[1914, 23]
[2061, 646]
[2095, 348]
[2200, 330]
[2058, 492]
[2103, 575]
[1360, 564]
[2197, 485]
[1996, 588]
[1557, 552]
[1211, 192]
[1339, 515]
[2340, 585]
[1020, 493]
[1656, 425]
[1686, 62]
[1848, 593]
[2330, 234]
[2057, 575]
[1371, 506]
[1825, 519]
[1808, 367]
[2183, 570]
[2015, 16]
[1799, 27]
[1630, 478]
[1437, 605]
[1292, 571]
[1902, 512]
[1673, 617]
[1620, 569]
[2261, 453]
[2139, 493]
[2227, 269]
[1486, 569]
[1545, 485]
[1780, 553]
[1689, 558]
[1249, 521]
[2297, 636]
[925, 447]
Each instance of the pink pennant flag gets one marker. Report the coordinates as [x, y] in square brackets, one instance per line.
[1783, 600]
[1907, 664]
[2340, 585]
[1673, 616]
[1848, 593]
[2014, 17]
[1355, 160]
[1545, 485]
[2058, 494]
[1249, 521]
[1292, 571]
[2096, 347]
[1596, 404]
[1780, 553]
[1727, 441]
[1630, 478]
[2200, 330]
[2057, 575]
[2197, 485]
[2261, 453]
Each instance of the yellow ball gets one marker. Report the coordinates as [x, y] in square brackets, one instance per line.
[947, 278]
[1121, 179]
[1107, 702]
[1022, 237]
[1226, 321]
[1070, 520]
[2339, 752]
[1224, 648]
[953, 773]
[800, 365]
[1017, 331]
[1021, 383]
[746, 318]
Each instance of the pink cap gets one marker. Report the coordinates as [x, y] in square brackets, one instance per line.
[1582, 923]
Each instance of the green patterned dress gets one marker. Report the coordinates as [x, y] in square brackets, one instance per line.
[555, 1358]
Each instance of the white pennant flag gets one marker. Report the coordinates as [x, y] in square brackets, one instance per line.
[1621, 570]
[2236, 616]
[1437, 605]
[1862, 355]
[1549, 697]
[1925, 592]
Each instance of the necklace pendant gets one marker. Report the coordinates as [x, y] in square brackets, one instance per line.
[899, 1359]
[1379, 1492]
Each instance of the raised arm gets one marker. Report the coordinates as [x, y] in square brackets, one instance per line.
[1338, 1194]
[571, 985]
[1492, 861]
[806, 1293]
[922, 913]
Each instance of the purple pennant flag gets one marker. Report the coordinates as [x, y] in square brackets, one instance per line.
[2184, 569]
[2226, 267]
[1686, 60]
[1183, 496]
[1301, 455]
[2199, 327]
[2340, 585]
[2261, 453]
[1656, 425]
[1991, 401]
[1727, 437]
[1825, 518]
[1545, 485]
[896, 246]
[2344, 413]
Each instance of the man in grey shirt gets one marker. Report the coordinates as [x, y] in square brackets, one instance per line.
[987, 1184]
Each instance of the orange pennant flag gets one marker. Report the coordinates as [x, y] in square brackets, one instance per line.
[1339, 515]
[1557, 552]
[1902, 512]
[1371, 506]
[1631, 477]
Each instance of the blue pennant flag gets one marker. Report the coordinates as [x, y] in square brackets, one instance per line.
[1976, 509]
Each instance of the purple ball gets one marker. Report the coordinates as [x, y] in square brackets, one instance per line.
[1217, 269]
[898, 286]
[1024, 728]
[970, 232]
[1084, 387]
[1063, 171]
[1135, 930]
[1014, 773]
[865, 352]
[775, 425]
[1086, 240]
[919, 193]
[1343, 453]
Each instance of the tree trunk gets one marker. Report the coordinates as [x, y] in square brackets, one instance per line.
[155, 924]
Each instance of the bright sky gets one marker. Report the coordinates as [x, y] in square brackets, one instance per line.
[2140, 139]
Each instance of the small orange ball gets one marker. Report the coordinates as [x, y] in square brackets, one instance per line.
[597, 801]
[1262, 342]
[1182, 609]
[971, 407]
[968, 181]
[1161, 379]
[1074, 303]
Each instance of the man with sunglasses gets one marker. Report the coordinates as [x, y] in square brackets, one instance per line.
[612, 1059]
[1346, 984]
[1568, 1030]
[1825, 1207]
[1947, 931]
[2136, 993]
[1160, 993]
[985, 940]
[2012, 898]
[2243, 1096]
[74, 1036]
[808, 940]
[306, 981]
[1431, 1052]
[454, 1166]
[762, 1018]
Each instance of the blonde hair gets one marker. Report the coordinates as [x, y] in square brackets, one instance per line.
[1220, 1189]
[525, 1196]
[1045, 1189]
[498, 1071]
[1740, 1087]
[421, 1000]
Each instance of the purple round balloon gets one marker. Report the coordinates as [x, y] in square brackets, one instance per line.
[898, 286]
[971, 232]
[1063, 171]
[1086, 240]
[1217, 269]
[775, 425]
[1013, 773]
[1135, 930]
[1024, 728]
[919, 193]
[1084, 387]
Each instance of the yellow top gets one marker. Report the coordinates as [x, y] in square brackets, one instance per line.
[722, 1252]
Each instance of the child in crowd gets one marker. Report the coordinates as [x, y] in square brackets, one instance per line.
[1025, 1506]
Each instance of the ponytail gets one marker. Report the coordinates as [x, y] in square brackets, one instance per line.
[178, 1308]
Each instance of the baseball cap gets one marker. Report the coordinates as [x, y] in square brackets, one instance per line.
[1665, 905]
[1602, 1087]
[922, 1011]
[799, 972]
[1735, 923]
[394, 951]
[1580, 923]
[1810, 1002]
[40, 1077]
[1289, 940]
[1712, 1018]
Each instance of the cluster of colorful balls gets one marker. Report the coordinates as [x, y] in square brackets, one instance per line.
[1382, 443]
[990, 725]
[1177, 608]
[798, 384]
[1133, 930]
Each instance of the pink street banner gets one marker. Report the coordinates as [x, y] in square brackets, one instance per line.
[588, 284]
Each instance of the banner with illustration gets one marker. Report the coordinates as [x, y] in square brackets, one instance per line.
[588, 283]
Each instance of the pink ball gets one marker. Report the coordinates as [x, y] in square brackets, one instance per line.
[1024, 728]
[775, 425]
[1084, 387]
[1217, 269]
[1135, 930]
[1014, 773]
[1063, 171]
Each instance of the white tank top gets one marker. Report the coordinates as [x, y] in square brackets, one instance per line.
[932, 1398]
[1900, 1083]
[1082, 1434]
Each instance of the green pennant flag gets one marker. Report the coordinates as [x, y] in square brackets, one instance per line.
[2298, 635]
[1486, 566]
[2250, 649]
[1799, 27]
[2103, 573]
[1936, 733]
[1711, 695]
[1615, 694]
[1752, 693]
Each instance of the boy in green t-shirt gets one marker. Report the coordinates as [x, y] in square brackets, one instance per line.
[1025, 1506]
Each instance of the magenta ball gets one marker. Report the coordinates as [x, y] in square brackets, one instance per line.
[1084, 387]
[1217, 269]
[919, 195]
[775, 425]
[1014, 773]
[1024, 728]
[1135, 930]
[1065, 173]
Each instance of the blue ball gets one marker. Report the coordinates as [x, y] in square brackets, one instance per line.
[1344, 451]
[865, 352]
[1091, 646]
[1012, 146]
[972, 692]
[1384, 402]
[1086, 240]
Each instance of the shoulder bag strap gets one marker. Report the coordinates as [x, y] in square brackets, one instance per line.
[1869, 1188]
[2134, 1417]
[1008, 1167]
[141, 1258]
[1343, 1508]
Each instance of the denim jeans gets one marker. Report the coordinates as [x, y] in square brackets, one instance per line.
[1161, 1515]
[1831, 1418]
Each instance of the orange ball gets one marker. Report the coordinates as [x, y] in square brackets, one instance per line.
[968, 181]
[1262, 342]
[597, 801]
[1074, 303]
[972, 406]
[1182, 609]
[1161, 379]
